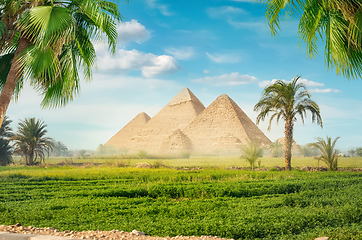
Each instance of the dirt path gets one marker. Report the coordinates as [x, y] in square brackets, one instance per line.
[96, 235]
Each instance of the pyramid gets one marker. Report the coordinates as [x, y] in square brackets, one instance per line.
[177, 114]
[122, 138]
[224, 127]
[176, 143]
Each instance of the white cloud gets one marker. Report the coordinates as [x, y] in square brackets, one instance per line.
[224, 58]
[150, 64]
[206, 71]
[132, 31]
[251, 1]
[105, 82]
[310, 83]
[182, 53]
[327, 90]
[161, 65]
[301, 80]
[231, 79]
[306, 82]
[224, 11]
[164, 9]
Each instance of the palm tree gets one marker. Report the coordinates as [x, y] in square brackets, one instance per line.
[47, 42]
[337, 22]
[352, 152]
[276, 149]
[59, 148]
[286, 101]
[329, 155]
[307, 151]
[5, 148]
[251, 153]
[359, 151]
[30, 141]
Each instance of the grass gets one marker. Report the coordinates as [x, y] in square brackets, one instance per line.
[209, 161]
[237, 204]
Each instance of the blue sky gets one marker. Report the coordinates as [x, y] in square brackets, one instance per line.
[212, 47]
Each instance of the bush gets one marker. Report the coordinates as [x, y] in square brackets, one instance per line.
[186, 154]
[143, 154]
[359, 151]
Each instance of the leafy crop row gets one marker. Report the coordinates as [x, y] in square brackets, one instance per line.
[270, 205]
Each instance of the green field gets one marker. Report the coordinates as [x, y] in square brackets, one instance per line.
[209, 161]
[214, 201]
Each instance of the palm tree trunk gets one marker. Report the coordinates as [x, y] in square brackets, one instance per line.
[288, 144]
[12, 79]
[31, 158]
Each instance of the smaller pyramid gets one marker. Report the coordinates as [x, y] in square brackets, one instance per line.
[223, 126]
[122, 138]
[176, 143]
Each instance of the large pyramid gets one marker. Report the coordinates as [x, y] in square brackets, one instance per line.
[123, 137]
[177, 114]
[223, 127]
[185, 125]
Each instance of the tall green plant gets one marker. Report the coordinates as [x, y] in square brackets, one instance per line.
[287, 100]
[30, 141]
[359, 151]
[47, 42]
[59, 149]
[338, 23]
[5, 138]
[251, 152]
[276, 149]
[329, 155]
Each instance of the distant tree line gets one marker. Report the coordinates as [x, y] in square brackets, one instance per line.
[29, 142]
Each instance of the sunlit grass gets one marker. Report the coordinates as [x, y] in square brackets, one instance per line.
[203, 161]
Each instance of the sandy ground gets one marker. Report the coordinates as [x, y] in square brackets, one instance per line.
[96, 235]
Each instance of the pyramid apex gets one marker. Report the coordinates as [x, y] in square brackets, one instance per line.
[224, 95]
[185, 95]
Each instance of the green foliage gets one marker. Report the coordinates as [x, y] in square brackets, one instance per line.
[287, 100]
[276, 149]
[143, 154]
[329, 155]
[251, 153]
[359, 151]
[5, 138]
[30, 141]
[185, 154]
[308, 151]
[59, 149]
[60, 37]
[110, 150]
[82, 153]
[338, 23]
[158, 164]
[167, 202]
[351, 152]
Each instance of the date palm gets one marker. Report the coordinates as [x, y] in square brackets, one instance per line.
[46, 42]
[336, 22]
[30, 141]
[5, 148]
[59, 148]
[276, 149]
[329, 155]
[287, 100]
[251, 152]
